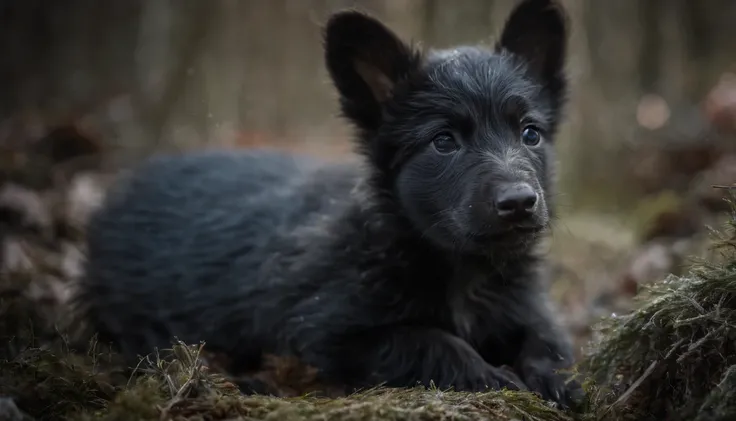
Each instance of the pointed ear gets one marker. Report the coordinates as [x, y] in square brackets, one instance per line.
[537, 32]
[365, 60]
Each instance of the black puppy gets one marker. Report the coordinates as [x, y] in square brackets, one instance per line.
[419, 267]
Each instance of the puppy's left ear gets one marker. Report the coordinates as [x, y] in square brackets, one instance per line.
[537, 32]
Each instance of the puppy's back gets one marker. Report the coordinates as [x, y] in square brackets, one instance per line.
[162, 248]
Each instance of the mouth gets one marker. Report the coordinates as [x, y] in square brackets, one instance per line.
[531, 229]
[512, 234]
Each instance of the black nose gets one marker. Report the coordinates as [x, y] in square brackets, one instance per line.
[515, 201]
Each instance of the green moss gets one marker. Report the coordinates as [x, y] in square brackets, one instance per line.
[180, 387]
[140, 402]
[47, 383]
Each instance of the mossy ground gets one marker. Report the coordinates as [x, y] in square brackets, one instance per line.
[56, 384]
[674, 355]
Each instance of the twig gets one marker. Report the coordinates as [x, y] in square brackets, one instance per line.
[625, 396]
[180, 396]
[195, 371]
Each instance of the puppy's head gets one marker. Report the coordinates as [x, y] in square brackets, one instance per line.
[461, 138]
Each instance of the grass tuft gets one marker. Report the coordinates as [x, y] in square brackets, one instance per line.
[669, 356]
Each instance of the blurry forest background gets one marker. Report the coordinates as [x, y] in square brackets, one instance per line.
[90, 87]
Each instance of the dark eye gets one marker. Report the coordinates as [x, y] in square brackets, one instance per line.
[531, 136]
[445, 143]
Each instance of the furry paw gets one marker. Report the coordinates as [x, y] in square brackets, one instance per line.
[489, 378]
[541, 376]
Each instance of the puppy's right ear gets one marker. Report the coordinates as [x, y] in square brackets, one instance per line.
[365, 60]
[537, 32]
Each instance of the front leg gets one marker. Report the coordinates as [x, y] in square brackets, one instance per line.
[545, 350]
[406, 356]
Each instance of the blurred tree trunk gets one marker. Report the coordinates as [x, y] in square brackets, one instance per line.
[605, 96]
